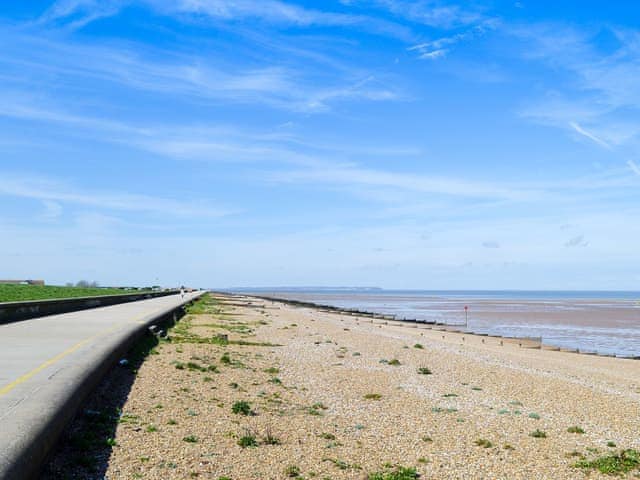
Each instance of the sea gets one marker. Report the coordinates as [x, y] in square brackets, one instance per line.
[603, 322]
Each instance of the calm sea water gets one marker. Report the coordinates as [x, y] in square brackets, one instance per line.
[606, 322]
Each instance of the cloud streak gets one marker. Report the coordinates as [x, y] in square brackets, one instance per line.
[54, 193]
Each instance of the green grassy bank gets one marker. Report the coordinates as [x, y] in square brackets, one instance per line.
[18, 293]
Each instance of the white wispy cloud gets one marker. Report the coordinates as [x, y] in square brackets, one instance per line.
[603, 90]
[439, 48]
[432, 13]
[185, 76]
[589, 135]
[634, 167]
[77, 13]
[56, 193]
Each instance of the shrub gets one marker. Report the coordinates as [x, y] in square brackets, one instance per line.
[241, 407]
[538, 434]
[575, 430]
[424, 371]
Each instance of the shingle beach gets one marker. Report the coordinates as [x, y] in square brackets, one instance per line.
[332, 396]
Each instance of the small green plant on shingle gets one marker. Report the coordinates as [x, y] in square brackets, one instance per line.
[372, 396]
[534, 415]
[507, 446]
[151, 428]
[615, 464]
[575, 429]
[395, 362]
[394, 473]
[483, 442]
[226, 359]
[247, 440]
[327, 436]
[611, 444]
[270, 439]
[190, 439]
[476, 389]
[292, 471]
[276, 381]
[111, 442]
[537, 433]
[424, 371]
[450, 395]
[272, 370]
[427, 439]
[172, 422]
[418, 346]
[241, 407]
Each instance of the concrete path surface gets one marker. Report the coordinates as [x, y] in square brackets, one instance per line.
[48, 365]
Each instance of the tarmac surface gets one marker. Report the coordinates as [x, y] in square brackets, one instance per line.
[48, 365]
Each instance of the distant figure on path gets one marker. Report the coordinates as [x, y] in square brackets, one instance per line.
[182, 291]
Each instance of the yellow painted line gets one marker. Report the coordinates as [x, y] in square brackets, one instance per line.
[7, 388]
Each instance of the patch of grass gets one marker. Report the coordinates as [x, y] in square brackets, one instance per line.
[611, 444]
[272, 370]
[534, 415]
[190, 439]
[395, 362]
[327, 436]
[316, 409]
[341, 464]
[537, 433]
[483, 442]
[292, 471]
[427, 439]
[241, 407]
[276, 381]
[575, 429]
[419, 346]
[424, 371]
[270, 439]
[151, 428]
[248, 440]
[21, 293]
[372, 396]
[172, 422]
[615, 464]
[394, 473]
[423, 460]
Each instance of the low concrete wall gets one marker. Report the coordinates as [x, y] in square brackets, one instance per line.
[31, 437]
[16, 311]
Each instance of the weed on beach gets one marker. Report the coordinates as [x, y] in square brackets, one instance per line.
[538, 434]
[616, 464]
[394, 473]
[483, 442]
[241, 407]
[575, 429]
[372, 396]
[424, 371]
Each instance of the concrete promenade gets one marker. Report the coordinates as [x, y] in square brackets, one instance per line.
[48, 365]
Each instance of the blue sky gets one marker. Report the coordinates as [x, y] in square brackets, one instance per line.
[425, 144]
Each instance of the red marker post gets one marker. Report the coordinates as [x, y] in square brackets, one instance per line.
[466, 319]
